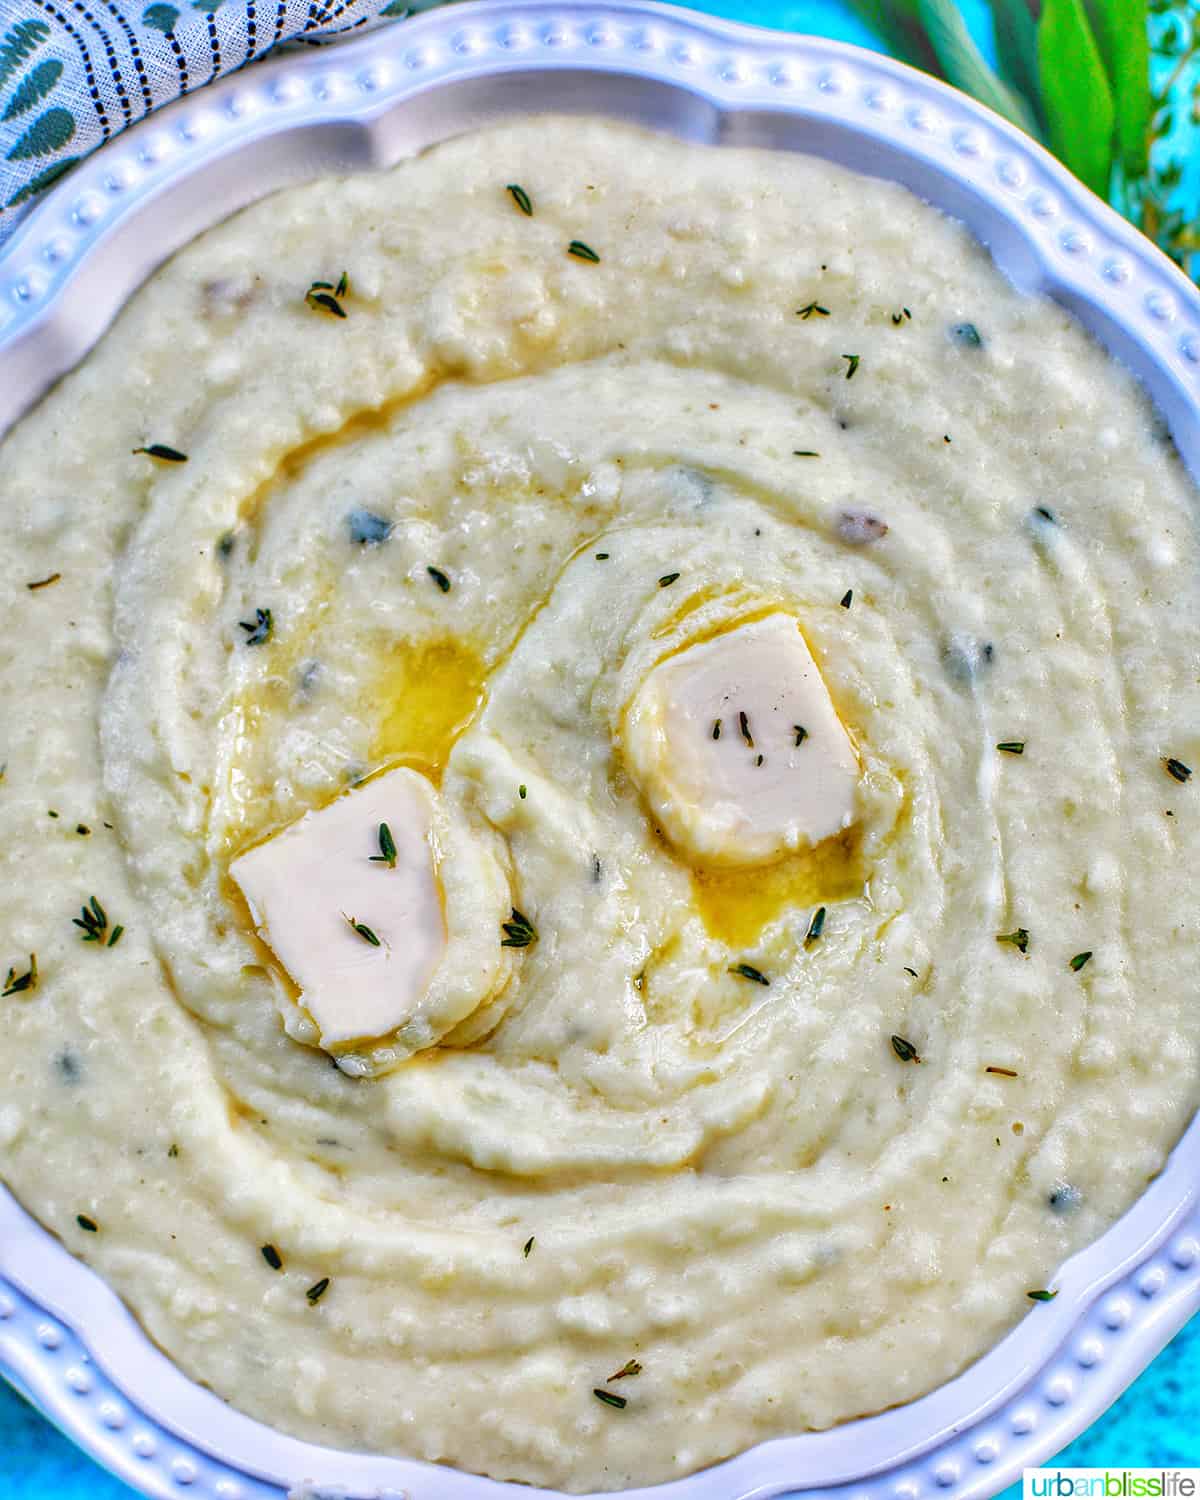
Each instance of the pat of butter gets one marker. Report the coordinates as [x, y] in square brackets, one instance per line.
[308, 884]
[738, 749]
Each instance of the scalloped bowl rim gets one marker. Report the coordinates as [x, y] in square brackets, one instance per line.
[66, 1339]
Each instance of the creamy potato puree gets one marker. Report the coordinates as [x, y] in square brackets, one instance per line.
[795, 1138]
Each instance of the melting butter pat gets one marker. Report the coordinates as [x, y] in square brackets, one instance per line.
[738, 749]
[308, 885]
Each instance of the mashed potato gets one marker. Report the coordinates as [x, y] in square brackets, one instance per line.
[748, 1146]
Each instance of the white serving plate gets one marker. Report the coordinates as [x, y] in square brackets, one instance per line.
[65, 1339]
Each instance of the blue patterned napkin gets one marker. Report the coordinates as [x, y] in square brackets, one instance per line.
[73, 73]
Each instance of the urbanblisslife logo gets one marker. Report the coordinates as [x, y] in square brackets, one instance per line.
[1112, 1484]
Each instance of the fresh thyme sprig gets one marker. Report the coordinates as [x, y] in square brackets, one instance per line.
[20, 984]
[519, 932]
[387, 848]
[93, 919]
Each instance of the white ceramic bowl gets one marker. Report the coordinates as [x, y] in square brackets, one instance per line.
[65, 1338]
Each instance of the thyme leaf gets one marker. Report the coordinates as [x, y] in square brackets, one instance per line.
[810, 309]
[716, 729]
[43, 583]
[87, 1224]
[272, 1257]
[630, 1367]
[519, 932]
[748, 971]
[439, 578]
[805, 453]
[529, 1243]
[1019, 938]
[744, 726]
[364, 932]
[1042, 1296]
[324, 295]
[1012, 747]
[852, 368]
[582, 252]
[160, 450]
[801, 735]
[521, 198]
[667, 580]
[1079, 960]
[317, 1290]
[610, 1400]
[847, 599]
[905, 1050]
[815, 928]
[19, 984]
[387, 848]
[1177, 769]
[259, 629]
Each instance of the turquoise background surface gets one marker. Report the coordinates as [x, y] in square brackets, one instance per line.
[1156, 1422]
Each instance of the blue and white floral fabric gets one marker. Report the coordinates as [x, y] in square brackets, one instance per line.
[73, 73]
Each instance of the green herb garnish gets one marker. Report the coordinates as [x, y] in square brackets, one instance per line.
[854, 360]
[630, 1367]
[160, 450]
[364, 931]
[582, 252]
[716, 729]
[325, 295]
[317, 1290]
[82, 830]
[85, 1223]
[801, 735]
[898, 318]
[1019, 938]
[805, 453]
[667, 580]
[1041, 1296]
[811, 308]
[1003, 1072]
[519, 932]
[602, 556]
[272, 1257]
[387, 848]
[521, 198]
[1177, 769]
[904, 1050]
[529, 1245]
[744, 726]
[815, 928]
[1012, 747]
[19, 984]
[847, 599]
[439, 578]
[343, 285]
[259, 629]
[93, 919]
[748, 971]
[1079, 960]
[610, 1400]
[43, 583]
[522, 791]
